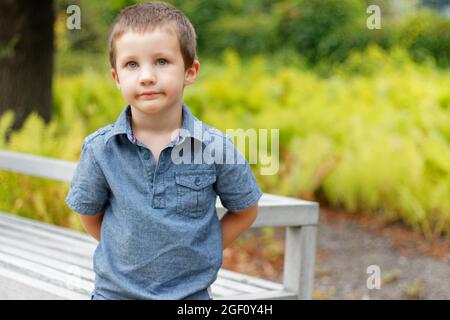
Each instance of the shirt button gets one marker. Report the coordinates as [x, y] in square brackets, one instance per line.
[147, 156]
[197, 181]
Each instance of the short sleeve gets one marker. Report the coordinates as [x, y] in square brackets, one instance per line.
[89, 190]
[236, 185]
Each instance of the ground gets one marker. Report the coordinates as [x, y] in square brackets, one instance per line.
[410, 266]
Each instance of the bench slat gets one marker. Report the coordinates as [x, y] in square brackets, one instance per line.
[267, 295]
[48, 274]
[57, 255]
[49, 229]
[85, 273]
[243, 278]
[45, 241]
[240, 287]
[32, 288]
[37, 166]
[218, 291]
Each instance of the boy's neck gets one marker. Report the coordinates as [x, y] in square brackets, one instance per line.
[165, 122]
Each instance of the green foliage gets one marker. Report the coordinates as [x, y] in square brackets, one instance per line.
[322, 29]
[245, 26]
[372, 138]
[34, 197]
[324, 32]
[89, 97]
[96, 19]
[82, 104]
[426, 34]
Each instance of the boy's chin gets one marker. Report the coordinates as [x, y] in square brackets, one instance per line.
[150, 107]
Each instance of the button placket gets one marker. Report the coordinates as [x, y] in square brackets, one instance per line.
[158, 194]
[149, 166]
[158, 184]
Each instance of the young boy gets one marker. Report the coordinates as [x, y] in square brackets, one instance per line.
[154, 215]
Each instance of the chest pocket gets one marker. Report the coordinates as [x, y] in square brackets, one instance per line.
[194, 192]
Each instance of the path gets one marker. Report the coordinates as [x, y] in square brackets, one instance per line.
[410, 267]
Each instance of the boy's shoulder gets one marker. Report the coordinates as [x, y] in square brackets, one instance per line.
[98, 135]
[209, 129]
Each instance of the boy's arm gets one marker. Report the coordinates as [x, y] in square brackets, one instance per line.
[92, 224]
[235, 223]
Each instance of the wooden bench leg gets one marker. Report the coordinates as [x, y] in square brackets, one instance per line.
[299, 260]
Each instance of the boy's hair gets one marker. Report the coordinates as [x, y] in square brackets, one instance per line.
[144, 17]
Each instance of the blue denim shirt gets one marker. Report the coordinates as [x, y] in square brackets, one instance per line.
[160, 235]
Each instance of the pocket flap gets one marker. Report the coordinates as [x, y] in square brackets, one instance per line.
[195, 180]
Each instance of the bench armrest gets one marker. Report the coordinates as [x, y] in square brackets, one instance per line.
[300, 219]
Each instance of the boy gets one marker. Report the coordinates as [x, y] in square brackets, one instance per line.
[154, 215]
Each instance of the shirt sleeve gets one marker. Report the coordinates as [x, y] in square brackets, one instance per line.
[236, 185]
[89, 190]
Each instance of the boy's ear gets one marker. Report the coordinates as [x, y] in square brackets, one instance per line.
[191, 73]
[115, 77]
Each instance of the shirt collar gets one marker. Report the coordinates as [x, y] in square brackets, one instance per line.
[191, 126]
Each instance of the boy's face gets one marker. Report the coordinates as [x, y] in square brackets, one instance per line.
[150, 70]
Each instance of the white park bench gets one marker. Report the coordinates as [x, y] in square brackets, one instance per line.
[42, 261]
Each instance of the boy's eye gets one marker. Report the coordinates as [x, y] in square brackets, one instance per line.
[161, 62]
[131, 64]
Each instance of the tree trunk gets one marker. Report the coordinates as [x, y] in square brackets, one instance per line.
[26, 58]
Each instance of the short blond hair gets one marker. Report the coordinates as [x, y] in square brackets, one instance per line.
[143, 17]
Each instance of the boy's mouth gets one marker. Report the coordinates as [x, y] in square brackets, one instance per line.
[148, 93]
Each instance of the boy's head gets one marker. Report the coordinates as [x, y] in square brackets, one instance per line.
[145, 17]
[152, 53]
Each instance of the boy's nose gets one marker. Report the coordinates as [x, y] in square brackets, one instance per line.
[147, 76]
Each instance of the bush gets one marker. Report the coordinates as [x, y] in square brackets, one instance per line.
[426, 34]
[322, 29]
[245, 26]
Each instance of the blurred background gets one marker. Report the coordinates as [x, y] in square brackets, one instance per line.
[363, 114]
